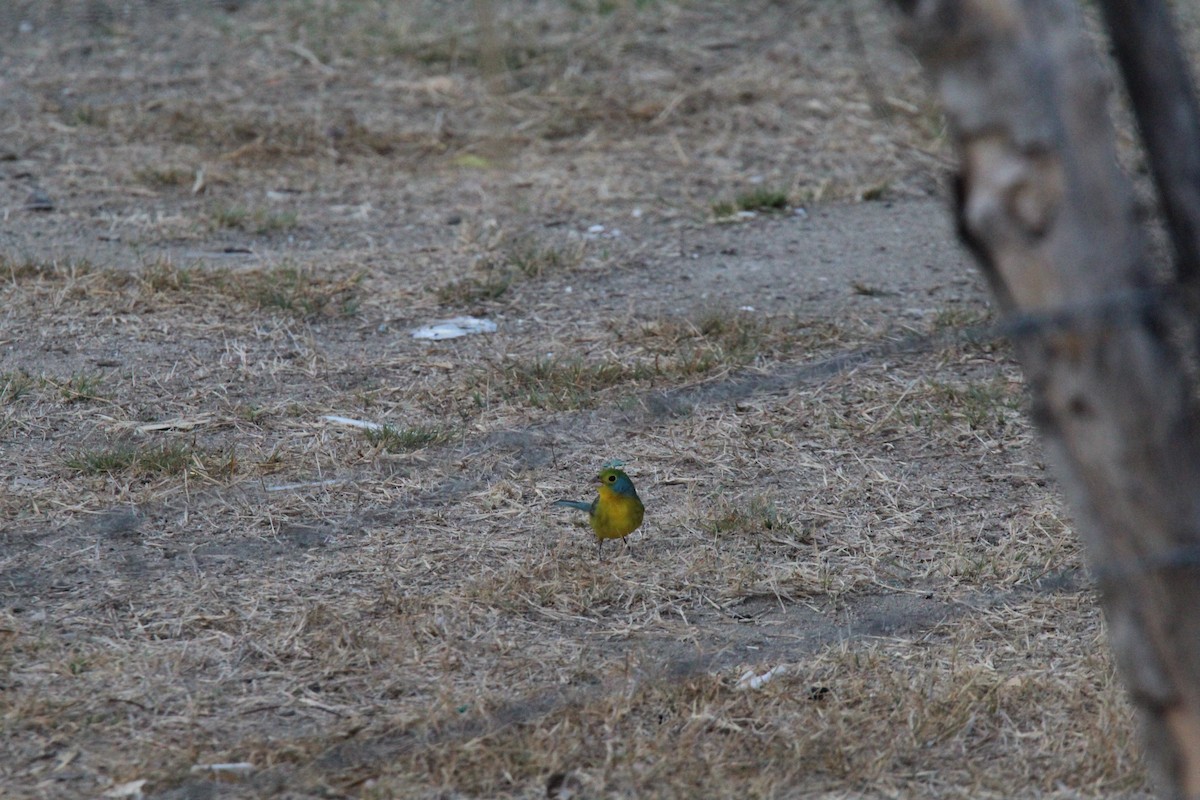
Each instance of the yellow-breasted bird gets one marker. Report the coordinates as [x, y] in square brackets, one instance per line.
[617, 510]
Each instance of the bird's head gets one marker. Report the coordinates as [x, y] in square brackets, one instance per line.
[617, 481]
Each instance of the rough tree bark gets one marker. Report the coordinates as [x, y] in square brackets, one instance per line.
[1156, 74]
[1047, 212]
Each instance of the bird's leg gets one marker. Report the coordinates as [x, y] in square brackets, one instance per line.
[599, 547]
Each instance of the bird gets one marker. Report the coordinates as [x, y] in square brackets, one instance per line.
[617, 510]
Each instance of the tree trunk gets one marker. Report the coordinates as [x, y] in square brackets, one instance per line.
[1043, 206]
[1156, 74]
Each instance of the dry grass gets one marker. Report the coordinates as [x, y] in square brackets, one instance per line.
[162, 283]
[199, 568]
[505, 261]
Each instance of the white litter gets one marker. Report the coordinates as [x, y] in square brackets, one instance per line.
[292, 487]
[595, 232]
[453, 328]
[235, 768]
[751, 681]
[177, 424]
[131, 789]
[353, 423]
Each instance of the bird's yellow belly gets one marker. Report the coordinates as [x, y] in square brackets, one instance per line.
[616, 516]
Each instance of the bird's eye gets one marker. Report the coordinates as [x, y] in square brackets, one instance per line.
[612, 478]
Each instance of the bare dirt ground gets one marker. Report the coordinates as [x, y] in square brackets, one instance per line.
[220, 224]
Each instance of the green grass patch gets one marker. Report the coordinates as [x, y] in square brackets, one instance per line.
[763, 200]
[876, 191]
[869, 290]
[532, 258]
[15, 384]
[759, 201]
[604, 8]
[148, 462]
[259, 221]
[663, 350]
[106, 461]
[165, 277]
[89, 115]
[468, 291]
[21, 271]
[517, 259]
[471, 161]
[223, 216]
[82, 387]
[969, 330]
[981, 406]
[128, 458]
[724, 208]
[298, 291]
[402, 440]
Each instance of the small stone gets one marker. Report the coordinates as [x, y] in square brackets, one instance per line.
[38, 201]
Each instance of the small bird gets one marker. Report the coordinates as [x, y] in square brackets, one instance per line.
[617, 510]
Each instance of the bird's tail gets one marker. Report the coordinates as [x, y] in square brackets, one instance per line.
[582, 506]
